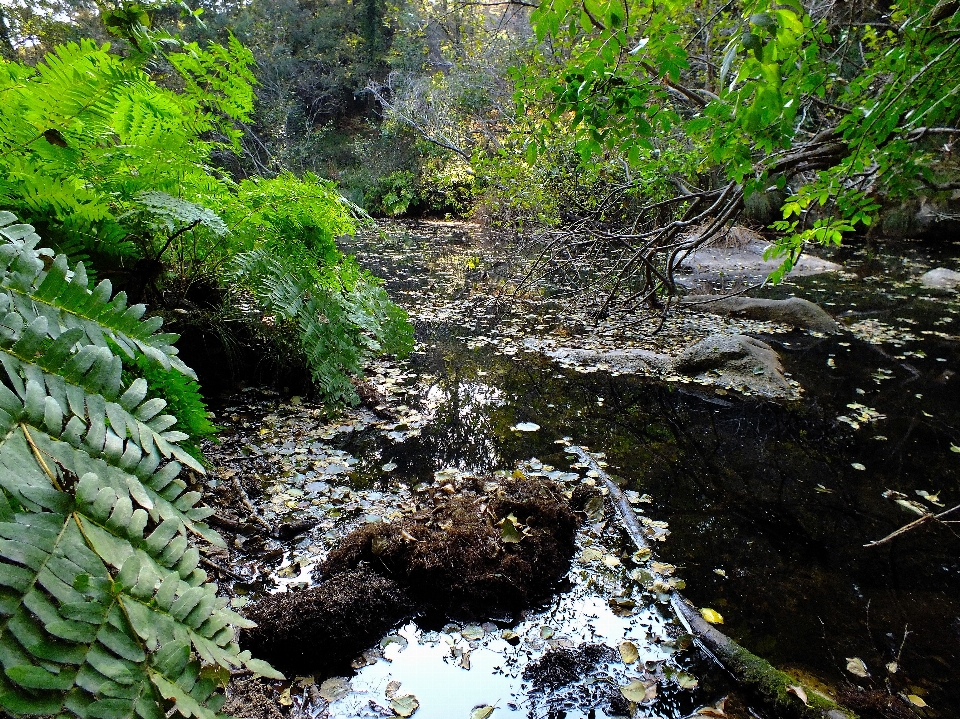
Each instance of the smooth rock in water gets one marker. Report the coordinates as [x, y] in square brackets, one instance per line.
[941, 278]
[625, 361]
[795, 311]
[739, 360]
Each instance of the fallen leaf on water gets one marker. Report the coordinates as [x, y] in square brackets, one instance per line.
[285, 699]
[638, 691]
[798, 692]
[405, 706]
[687, 681]
[594, 509]
[711, 615]
[916, 701]
[482, 712]
[717, 710]
[720, 573]
[857, 465]
[954, 448]
[628, 652]
[590, 555]
[389, 466]
[912, 506]
[334, 688]
[471, 632]
[392, 688]
[510, 636]
[856, 666]
[933, 498]
[525, 427]
[611, 561]
[892, 667]
[546, 632]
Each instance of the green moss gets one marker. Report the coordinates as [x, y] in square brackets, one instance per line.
[762, 678]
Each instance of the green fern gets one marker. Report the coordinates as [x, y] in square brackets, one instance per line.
[342, 314]
[104, 611]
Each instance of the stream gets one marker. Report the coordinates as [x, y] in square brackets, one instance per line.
[760, 508]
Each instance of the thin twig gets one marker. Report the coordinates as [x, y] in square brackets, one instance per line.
[913, 525]
[249, 505]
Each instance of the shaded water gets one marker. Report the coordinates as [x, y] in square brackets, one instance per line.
[768, 505]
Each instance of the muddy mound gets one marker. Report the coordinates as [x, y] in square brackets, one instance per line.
[488, 545]
[327, 625]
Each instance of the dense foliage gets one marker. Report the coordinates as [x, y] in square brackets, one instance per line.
[837, 110]
[119, 168]
[104, 610]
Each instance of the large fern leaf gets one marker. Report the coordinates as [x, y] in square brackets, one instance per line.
[104, 610]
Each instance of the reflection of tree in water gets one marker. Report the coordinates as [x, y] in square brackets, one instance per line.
[462, 432]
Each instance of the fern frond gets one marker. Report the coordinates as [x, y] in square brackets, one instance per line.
[104, 609]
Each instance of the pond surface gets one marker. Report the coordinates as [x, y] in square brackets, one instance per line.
[763, 507]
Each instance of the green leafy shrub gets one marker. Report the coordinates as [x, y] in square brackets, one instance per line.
[104, 610]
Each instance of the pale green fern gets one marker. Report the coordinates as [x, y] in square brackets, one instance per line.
[104, 610]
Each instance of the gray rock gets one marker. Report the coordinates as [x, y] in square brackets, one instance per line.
[740, 361]
[721, 268]
[941, 278]
[791, 311]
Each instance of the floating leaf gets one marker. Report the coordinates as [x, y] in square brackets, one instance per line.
[912, 506]
[472, 632]
[933, 498]
[687, 681]
[285, 699]
[856, 666]
[892, 667]
[510, 636]
[595, 509]
[334, 688]
[857, 465]
[711, 615]
[799, 692]
[525, 427]
[482, 712]
[546, 632]
[638, 691]
[916, 701]
[611, 561]
[590, 555]
[954, 448]
[628, 652]
[405, 706]
[392, 688]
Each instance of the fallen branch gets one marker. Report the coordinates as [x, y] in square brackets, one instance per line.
[249, 505]
[929, 516]
[764, 681]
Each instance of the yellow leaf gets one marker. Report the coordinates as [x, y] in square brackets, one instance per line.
[285, 699]
[711, 615]
[628, 652]
[916, 701]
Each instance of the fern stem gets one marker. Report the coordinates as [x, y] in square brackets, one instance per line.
[38, 454]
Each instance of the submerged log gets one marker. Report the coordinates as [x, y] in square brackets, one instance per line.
[768, 685]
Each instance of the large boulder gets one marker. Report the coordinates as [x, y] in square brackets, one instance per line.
[795, 311]
[740, 361]
[941, 278]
